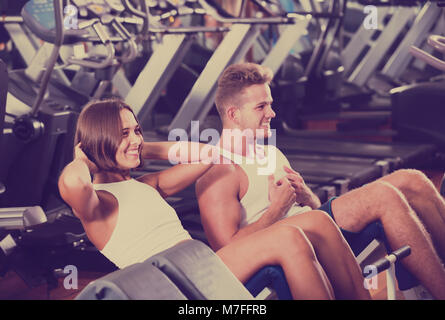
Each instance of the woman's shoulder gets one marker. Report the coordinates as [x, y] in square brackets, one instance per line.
[150, 179]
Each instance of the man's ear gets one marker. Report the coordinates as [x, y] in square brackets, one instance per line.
[232, 114]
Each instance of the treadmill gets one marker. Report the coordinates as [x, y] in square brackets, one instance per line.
[355, 161]
[398, 155]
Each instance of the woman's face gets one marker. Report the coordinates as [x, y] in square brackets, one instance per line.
[127, 155]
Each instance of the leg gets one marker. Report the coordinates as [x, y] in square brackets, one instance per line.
[333, 252]
[279, 245]
[425, 200]
[382, 201]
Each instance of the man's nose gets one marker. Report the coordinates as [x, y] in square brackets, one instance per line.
[270, 113]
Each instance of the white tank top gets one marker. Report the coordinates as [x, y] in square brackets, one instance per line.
[256, 200]
[146, 223]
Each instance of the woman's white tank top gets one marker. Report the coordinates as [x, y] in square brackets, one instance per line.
[146, 223]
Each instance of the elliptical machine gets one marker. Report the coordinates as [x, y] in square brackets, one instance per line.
[40, 140]
[37, 141]
[36, 146]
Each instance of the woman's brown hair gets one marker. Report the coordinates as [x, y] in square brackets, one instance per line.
[99, 130]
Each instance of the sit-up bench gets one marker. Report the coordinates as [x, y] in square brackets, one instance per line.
[189, 270]
[140, 281]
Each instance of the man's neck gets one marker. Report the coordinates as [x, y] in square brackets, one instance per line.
[235, 141]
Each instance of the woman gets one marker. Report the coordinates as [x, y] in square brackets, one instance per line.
[129, 221]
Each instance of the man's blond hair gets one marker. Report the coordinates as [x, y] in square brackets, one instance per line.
[235, 79]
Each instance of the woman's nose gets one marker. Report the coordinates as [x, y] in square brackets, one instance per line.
[135, 138]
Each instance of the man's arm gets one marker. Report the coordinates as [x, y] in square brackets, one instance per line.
[313, 201]
[220, 208]
[304, 194]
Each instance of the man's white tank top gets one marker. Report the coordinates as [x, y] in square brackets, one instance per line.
[256, 200]
[146, 223]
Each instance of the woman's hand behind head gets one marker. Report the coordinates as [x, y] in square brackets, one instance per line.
[79, 154]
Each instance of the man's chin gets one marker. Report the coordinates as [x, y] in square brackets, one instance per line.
[263, 133]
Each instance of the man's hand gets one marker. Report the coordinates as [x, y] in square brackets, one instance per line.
[281, 195]
[303, 193]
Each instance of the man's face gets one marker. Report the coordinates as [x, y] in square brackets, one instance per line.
[255, 110]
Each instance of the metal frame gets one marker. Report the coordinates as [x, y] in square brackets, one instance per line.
[285, 44]
[32, 52]
[371, 61]
[438, 29]
[199, 101]
[165, 59]
[232, 49]
[423, 23]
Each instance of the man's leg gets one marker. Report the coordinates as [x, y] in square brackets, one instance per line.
[425, 200]
[381, 201]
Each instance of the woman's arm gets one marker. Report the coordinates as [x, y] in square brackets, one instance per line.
[177, 151]
[76, 187]
[194, 162]
[176, 178]
[157, 150]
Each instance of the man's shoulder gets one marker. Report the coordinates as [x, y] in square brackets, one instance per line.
[218, 173]
[222, 170]
[218, 180]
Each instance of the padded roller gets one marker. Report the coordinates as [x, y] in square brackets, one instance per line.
[141, 281]
[384, 263]
[199, 273]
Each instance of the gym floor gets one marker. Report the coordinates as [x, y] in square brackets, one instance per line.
[12, 287]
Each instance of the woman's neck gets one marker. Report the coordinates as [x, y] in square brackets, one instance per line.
[109, 177]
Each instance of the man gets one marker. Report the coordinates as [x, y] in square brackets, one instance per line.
[235, 201]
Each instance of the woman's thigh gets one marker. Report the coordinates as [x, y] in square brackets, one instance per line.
[269, 246]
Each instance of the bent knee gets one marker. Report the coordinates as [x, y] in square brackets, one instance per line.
[319, 222]
[409, 180]
[321, 218]
[410, 174]
[321, 228]
[387, 197]
[289, 233]
[294, 242]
